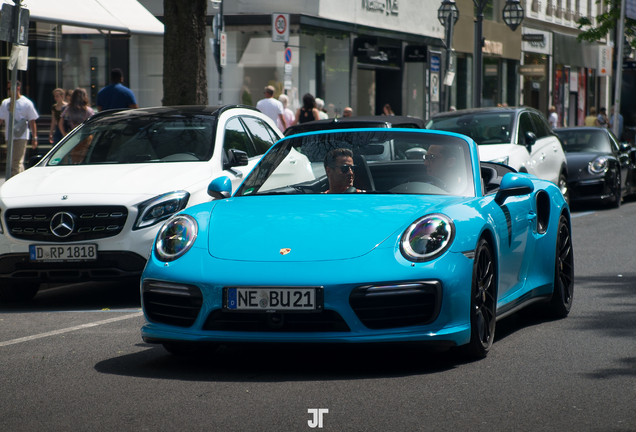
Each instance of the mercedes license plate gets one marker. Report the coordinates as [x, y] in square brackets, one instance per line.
[70, 252]
[272, 299]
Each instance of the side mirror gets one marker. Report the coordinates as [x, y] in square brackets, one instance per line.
[513, 184]
[34, 160]
[220, 188]
[236, 158]
[625, 147]
[531, 138]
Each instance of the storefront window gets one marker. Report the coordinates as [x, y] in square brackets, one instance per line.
[325, 69]
[415, 74]
[146, 69]
[254, 61]
[492, 83]
[535, 85]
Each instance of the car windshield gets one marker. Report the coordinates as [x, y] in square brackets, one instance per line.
[483, 128]
[142, 139]
[437, 164]
[575, 141]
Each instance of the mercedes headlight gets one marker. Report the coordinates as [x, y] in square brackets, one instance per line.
[502, 160]
[176, 237]
[160, 208]
[598, 165]
[427, 238]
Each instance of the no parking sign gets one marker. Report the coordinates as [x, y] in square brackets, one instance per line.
[280, 27]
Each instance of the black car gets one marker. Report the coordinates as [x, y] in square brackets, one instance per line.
[357, 122]
[600, 168]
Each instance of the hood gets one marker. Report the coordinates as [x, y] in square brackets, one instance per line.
[489, 152]
[124, 179]
[314, 227]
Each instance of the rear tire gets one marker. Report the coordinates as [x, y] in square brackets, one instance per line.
[563, 293]
[18, 292]
[483, 303]
[616, 203]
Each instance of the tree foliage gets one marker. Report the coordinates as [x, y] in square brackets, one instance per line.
[606, 22]
[184, 63]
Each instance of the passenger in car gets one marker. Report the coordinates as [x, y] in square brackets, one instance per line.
[340, 170]
[442, 162]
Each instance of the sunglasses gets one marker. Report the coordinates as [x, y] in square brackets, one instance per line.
[345, 168]
[432, 157]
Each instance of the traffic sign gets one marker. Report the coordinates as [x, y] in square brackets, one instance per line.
[223, 47]
[288, 55]
[280, 27]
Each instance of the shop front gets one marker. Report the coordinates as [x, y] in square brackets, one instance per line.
[577, 86]
[535, 71]
[363, 56]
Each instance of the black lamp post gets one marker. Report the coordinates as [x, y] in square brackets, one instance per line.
[448, 14]
[513, 15]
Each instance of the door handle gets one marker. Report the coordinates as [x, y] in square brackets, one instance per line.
[542, 157]
[531, 216]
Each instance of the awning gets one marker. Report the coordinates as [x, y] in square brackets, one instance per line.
[127, 16]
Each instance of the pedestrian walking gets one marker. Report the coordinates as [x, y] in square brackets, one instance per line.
[55, 134]
[272, 108]
[116, 95]
[553, 118]
[76, 112]
[24, 127]
[308, 112]
[320, 106]
[591, 120]
[287, 113]
[603, 121]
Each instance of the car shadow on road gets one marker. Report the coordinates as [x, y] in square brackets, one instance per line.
[90, 296]
[281, 363]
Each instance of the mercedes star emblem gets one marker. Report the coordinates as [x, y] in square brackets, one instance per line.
[62, 224]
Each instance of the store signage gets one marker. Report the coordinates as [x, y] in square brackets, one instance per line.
[492, 47]
[532, 70]
[531, 37]
[534, 40]
[365, 47]
[415, 54]
[389, 7]
[435, 63]
[491, 70]
[604, 60]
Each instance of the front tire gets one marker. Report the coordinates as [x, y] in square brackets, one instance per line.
[483, 303]
[563, 292]
[18, 292]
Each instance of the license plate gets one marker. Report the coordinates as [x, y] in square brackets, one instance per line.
[71, 252]
[273, 299]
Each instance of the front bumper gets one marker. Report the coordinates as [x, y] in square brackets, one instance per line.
[110, 265]
[341, 324]
[596, 189]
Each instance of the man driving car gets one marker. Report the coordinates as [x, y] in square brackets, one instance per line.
[340, 170]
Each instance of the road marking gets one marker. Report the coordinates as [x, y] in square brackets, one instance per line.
[70, 329]
[583, 214]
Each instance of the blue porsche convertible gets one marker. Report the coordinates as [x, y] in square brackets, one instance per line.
[359, 236]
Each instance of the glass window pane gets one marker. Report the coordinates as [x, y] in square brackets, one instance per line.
[236, 138]
[525, 125]
[262, 139]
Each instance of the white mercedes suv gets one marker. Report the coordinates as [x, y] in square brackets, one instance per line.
[90, 209]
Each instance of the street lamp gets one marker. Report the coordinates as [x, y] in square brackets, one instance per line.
[513, 15]
[218, 21]
[448, 14]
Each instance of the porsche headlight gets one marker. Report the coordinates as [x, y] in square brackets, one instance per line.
[160, 208]
[598, 165]
[502, 160]
[427, 238]
[176, 237]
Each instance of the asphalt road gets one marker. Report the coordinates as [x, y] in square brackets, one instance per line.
[73, 360]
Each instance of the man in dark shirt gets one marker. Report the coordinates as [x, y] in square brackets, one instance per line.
[116, 95]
